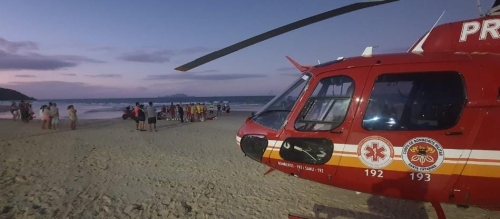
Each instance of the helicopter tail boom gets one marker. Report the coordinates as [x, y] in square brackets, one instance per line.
[480, 35]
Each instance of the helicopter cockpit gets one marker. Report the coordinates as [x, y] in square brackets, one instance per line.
[327, 107]
[274, 113]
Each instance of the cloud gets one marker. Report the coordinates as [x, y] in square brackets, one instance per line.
[105, 76]
[286, 69]
[194, 76]
[25, 76]
[10, 61]
[159, 56]
[14, 47]
[75, 58]
[104, 48]
[292, 74]
[193, 50]
[12, 57]
[68, 74]
[63, 90]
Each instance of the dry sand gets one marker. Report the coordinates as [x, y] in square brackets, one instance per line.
[106, 169]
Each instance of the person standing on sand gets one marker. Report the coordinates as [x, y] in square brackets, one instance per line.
[40, 113]
[23, 110]
[54, 112]
[204, 111]
[49, 108]
[211, 112]
[181, 112]
[172, 111]
[136, 113]
[14, 110]
[141, 116]
[72, 116]
[151, 113]
[45, 116]
[219, 111]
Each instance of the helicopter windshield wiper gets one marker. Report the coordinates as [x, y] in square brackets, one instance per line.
[300, 149]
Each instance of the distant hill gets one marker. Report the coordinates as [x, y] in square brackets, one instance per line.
[8, 94]
[176, 95]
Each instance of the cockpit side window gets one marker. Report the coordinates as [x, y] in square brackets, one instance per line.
[415, 101]
[327, 107]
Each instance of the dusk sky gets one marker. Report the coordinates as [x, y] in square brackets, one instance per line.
[117, 48]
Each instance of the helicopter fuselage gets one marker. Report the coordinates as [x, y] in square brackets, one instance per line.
[411, 126]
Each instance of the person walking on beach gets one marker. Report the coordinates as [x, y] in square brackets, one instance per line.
[72, 116]
[151, 113]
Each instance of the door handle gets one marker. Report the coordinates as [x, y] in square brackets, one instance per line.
[337, 131]
[455, 133]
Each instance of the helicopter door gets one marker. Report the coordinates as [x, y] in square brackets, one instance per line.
[409, 131]
[312, 141]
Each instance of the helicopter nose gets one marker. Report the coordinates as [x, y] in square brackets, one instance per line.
[254, 146]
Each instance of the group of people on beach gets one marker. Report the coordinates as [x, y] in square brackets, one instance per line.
[141, 113]
[23, 111]
[48, 114]
[194, 113]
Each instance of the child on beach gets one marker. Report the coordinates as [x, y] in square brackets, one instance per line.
[72, 116]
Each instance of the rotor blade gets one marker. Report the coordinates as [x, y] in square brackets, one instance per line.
[278, 31]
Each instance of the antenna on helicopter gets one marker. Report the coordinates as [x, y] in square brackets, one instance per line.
[479, 8]
[368, 51]
[418, 48]
[319, 62]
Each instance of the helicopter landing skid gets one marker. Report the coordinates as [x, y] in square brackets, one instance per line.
[291, 216]
[436, 205]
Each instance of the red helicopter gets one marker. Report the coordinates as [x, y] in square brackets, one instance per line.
[418, 125]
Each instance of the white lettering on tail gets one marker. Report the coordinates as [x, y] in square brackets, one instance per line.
[488, 27]
[469, 28]
[491, 27]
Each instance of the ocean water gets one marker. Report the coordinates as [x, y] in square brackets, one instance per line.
[113, 108]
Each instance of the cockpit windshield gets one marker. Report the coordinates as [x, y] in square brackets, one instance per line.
[274, 113]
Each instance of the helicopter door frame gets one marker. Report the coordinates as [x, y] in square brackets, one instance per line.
[323, 172]
[413, 159]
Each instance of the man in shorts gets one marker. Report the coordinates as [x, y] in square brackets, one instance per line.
[151, 114]
[136, 113]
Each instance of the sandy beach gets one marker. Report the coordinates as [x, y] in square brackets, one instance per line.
[107, 169]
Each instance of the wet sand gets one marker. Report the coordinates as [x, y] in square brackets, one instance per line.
[107, 169]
